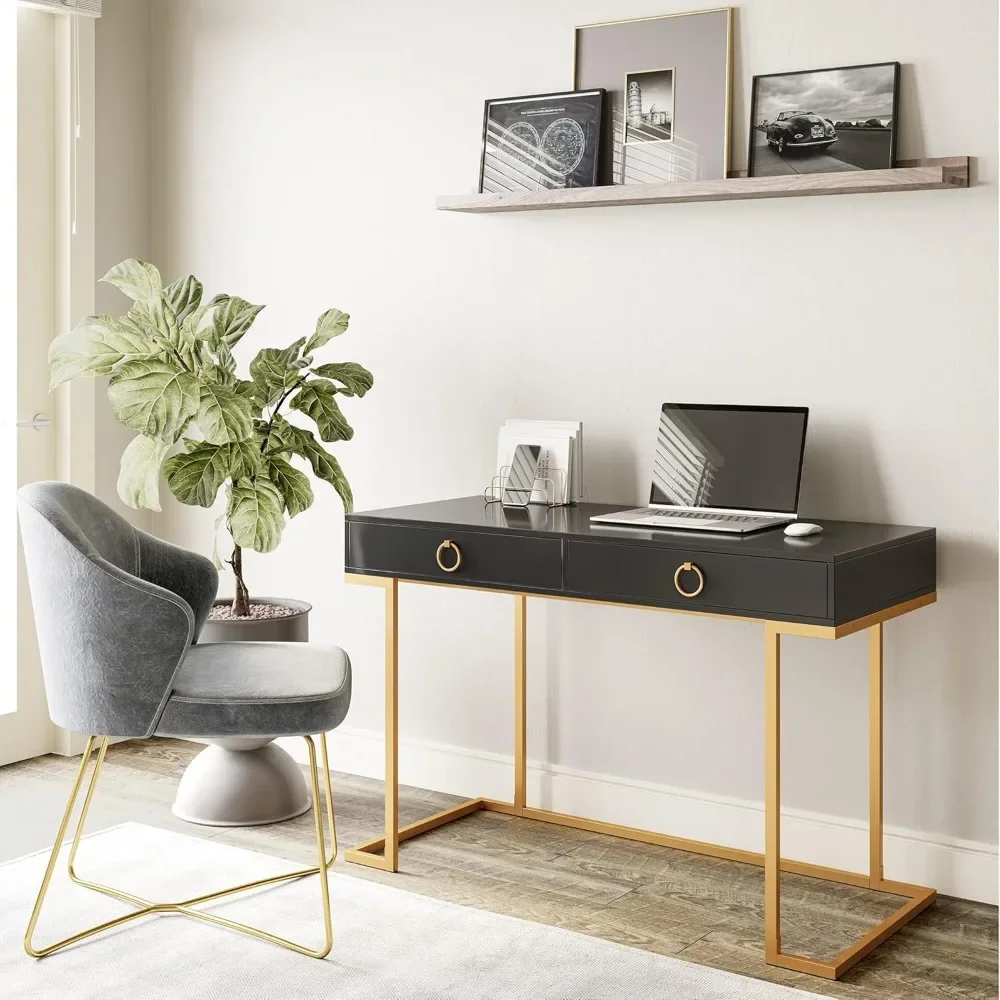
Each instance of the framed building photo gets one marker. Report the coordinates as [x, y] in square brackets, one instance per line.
[824, 120]
[542, 141]
[649, 106]
[668, 81]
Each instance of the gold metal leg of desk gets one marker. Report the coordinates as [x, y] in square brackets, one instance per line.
[383, 852]
[919, 897]
[520, 702]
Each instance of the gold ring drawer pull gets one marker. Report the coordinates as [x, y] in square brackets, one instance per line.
[689, 567]
[441, 549]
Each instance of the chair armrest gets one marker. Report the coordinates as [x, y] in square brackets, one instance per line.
[110, 642]
[190, 576]
[151, 631]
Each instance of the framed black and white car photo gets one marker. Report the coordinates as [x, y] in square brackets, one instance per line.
[542, 141]
[824, 120]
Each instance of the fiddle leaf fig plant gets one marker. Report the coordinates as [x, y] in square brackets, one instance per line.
[173, 380]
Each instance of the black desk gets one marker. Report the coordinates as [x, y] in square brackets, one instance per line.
[853, 576]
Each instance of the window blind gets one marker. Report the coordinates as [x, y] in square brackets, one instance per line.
[91, 8]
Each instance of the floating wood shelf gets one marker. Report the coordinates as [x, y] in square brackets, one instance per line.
[910, 175]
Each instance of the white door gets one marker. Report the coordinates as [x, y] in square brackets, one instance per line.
[25, 730]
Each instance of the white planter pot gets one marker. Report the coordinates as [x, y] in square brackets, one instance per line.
[246, 782]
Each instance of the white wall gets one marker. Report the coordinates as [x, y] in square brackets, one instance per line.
[297, 152]
[122, 191]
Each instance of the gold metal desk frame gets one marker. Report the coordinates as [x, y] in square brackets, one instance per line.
[383, 852]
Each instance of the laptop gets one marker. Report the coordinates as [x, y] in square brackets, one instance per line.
[733, 469]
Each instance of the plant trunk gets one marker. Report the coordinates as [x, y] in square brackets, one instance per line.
[241, 602]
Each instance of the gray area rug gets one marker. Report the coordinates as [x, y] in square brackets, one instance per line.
[388, 943]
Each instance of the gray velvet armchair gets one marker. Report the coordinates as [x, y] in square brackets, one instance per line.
[118, 615]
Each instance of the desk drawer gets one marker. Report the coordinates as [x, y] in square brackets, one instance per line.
[502, 560]
[736, 584]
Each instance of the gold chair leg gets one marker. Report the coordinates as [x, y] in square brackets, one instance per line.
[186, 907]
[125, 897]
[54, 857]
[328, 789]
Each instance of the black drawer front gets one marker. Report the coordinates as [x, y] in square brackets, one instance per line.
[754, 586]
[489, 559]
[882, 578]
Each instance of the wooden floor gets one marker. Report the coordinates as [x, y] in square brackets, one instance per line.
[700, 909]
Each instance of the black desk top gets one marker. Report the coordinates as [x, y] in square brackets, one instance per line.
[839, 540]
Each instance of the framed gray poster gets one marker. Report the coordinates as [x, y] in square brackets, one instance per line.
[669, 83]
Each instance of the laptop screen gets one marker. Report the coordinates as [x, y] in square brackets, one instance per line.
[740, 457]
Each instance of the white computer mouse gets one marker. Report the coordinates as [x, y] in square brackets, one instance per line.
[799, 528]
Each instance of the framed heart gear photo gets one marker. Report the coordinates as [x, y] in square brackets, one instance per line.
[541, 141]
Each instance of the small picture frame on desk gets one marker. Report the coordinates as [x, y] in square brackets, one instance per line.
[543, 141]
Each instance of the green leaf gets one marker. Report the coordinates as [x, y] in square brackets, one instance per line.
[154, 398]
[291, 439]
[355, 379]
[95, 346]
[269, 371]
[252, 392]
[302, 442]
[200, 325]
[189, 355]
[273, 371]
[293, 484]
[317, 399]
[331, 324]
[194, 477]
[139, 478]
[328, 468]
[223, 416]
[159, 321]
[244, 458]
[255, 514]
[184, 296]
[284, 436]
[137, 279]
[226, 359]
[233, 317]
[280, 437]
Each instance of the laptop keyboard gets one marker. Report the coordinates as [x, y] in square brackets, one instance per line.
[699, 515]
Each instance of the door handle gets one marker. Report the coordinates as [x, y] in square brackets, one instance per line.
[38, 422]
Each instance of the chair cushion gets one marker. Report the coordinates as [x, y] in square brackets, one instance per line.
[258, 689]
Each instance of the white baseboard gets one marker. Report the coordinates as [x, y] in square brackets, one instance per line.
[963, 868]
